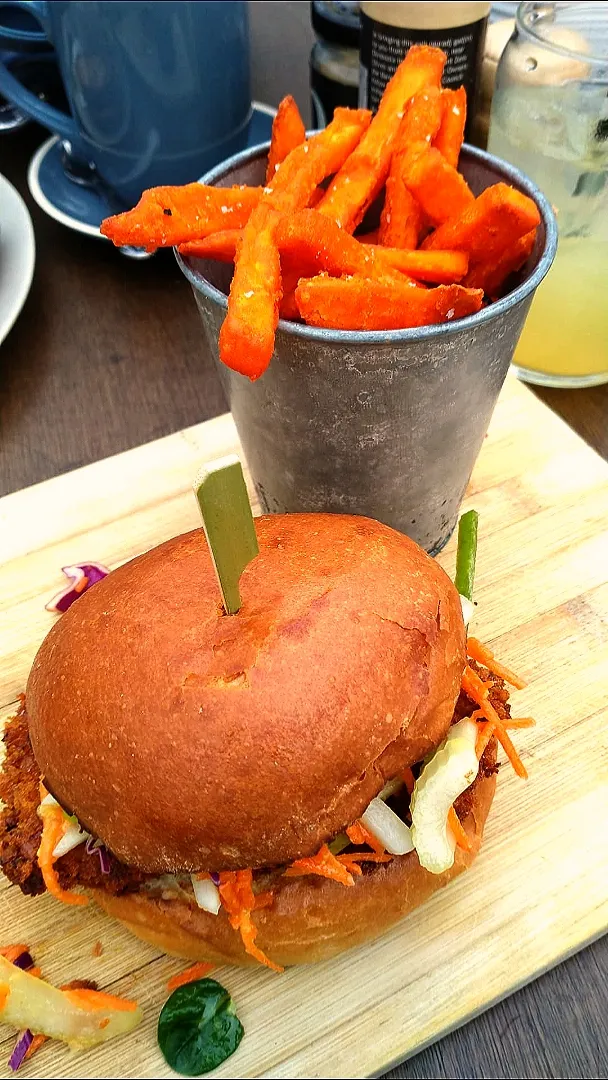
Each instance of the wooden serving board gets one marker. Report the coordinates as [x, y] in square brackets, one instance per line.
[539, 889]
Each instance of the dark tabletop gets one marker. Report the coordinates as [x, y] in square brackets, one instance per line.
[108, 353]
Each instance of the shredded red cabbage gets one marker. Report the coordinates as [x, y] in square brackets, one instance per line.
[95, 847]
[21, 1048]
[87, 573]
[214, 877]
[24, 961]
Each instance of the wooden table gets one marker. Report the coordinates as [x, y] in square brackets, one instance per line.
[108, 353]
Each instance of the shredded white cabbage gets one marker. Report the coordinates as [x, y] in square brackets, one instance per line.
[387, 827]
[72, 837]
[207, 894]
[452, 768]
[468, 609]
[49, 800]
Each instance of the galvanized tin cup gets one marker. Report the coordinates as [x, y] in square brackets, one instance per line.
[386, 424]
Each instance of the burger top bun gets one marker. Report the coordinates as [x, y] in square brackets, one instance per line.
[187, 739]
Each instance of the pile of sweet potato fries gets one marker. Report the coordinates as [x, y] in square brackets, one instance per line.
[438, 254]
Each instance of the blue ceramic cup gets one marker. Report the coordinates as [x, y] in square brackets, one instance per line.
[158, 92]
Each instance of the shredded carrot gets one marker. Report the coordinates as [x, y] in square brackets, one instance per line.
[356, 833]
[92, 1000]
[53, 828]
[4, 993]
[323, 863]
[36, 1043]
[349, 865]
[365, 856]
[484, 734]
[35, 971]
[191, 974]
[236, 893]
[351, 860]
[97, 949]
[460, 836]
[359, 834]
[248, 932]
[477, 690]
[263, 899]
[81, 585]
[13, 952]
[486, 730]
[408, 779]
[484, 656]
[237, 896]
[104, 1023]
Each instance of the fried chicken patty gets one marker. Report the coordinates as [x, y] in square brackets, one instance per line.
[21, 827]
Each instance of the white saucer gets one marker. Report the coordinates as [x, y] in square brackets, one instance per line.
[17, 255]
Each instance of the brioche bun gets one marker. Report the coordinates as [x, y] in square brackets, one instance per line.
[186, 739]
[312, 919]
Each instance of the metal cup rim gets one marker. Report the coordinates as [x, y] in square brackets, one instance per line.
[508, 173]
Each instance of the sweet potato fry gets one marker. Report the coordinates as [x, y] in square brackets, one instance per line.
[315, 243]
[288, 131]
[220, 246]
[364, 172]
[434, 267]
[165, 216]
[310, 243]
[362, 304]
[439, 189]
[246, 340]
[402, 220]
[290, 275]
[448, 139]
[289, 308]
[316, 197]
[494, 221]
[491, 274]
[306, 166]
[421, 119]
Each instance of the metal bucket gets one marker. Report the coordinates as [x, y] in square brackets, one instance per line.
[387, 424]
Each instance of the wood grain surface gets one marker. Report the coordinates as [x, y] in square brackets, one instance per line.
[538, 890]
[108, 354]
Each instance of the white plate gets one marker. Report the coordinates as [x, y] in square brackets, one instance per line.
[17, 255]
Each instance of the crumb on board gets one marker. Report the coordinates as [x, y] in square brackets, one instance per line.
[97, 949]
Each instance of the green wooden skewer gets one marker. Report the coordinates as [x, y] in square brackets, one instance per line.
[228, 523]
[466, 554]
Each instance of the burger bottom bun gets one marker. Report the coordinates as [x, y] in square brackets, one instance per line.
[312, 918]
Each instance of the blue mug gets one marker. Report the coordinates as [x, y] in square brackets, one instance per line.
[159, 92]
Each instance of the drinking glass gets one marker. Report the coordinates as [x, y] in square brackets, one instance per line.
[550, 119]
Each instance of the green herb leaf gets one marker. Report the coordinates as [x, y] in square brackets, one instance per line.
[198, 1027]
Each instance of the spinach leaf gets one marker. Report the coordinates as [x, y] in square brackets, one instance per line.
[198, 1027]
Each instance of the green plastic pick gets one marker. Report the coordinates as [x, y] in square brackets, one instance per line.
[228, 523]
